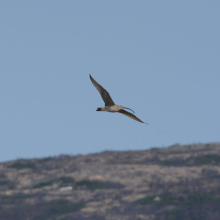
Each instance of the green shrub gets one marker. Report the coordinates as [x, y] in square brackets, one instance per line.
[190, 200]
[146, 200]
[163, 200]
[4, 182]
[64, 206]
[172, 162]
[14, 197]
[92, 185]
[66, 179]
[45, 159]
[42, 184]
[185, 213]
[61, 180]
[22, 165]
[207, 159]
[50, 210]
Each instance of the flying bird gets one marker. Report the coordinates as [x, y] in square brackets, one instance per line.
[110, 106]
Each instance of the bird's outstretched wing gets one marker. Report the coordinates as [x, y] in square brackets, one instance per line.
[130, 115]
[105, 95]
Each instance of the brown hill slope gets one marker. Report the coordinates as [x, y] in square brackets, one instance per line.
[178, 182]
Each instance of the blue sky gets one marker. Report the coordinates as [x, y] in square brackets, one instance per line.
[159, 58]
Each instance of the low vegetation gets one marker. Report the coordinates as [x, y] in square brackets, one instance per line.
[176, 183]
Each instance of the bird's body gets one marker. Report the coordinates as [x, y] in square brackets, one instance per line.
[110, 106]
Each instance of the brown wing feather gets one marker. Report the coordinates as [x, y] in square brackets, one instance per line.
[130, 115]
[105, 95]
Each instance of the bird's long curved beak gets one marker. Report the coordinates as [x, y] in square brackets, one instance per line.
[130, 109]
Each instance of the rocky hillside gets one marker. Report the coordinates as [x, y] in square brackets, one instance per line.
[178, 182]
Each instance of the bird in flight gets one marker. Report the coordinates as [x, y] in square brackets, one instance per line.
[110, 106]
